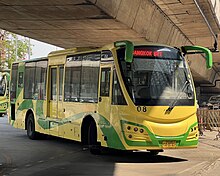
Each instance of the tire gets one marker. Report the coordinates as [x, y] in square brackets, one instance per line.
[31, 133]
[94, 146]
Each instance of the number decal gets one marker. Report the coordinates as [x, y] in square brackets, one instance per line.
[142, 109]
[139, 108]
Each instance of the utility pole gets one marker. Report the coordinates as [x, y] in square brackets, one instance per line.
[29, 48]
[16, 48]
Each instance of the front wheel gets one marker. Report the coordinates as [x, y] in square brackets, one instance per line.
[31, 133]
[94, 146]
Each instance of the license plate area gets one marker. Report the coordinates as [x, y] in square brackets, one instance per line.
[169, 144]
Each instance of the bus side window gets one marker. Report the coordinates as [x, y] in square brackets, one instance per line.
[105, 82]
[117, 95]
[20, 79]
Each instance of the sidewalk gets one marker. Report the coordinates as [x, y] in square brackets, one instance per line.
[210, 138]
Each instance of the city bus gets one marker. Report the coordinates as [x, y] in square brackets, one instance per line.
[4, 90]
[124, 96]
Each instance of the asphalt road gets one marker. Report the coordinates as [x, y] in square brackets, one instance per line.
[20, 156]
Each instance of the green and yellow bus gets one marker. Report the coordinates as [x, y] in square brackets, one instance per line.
[125, 96]
[4, 89]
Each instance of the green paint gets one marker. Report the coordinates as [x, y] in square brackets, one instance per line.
[44, 123]
[153, 142]
[113, 140]
[129, 49]
[39, 108]
[208, 54]
[107, 129]
[26, 104]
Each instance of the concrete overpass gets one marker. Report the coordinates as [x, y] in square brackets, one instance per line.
[73, 23]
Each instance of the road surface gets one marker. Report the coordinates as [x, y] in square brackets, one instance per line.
[53, 156]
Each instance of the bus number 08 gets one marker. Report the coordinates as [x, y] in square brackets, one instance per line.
[142, 109]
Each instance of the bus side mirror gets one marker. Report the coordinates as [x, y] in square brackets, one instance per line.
[129, 49]
[199, 50]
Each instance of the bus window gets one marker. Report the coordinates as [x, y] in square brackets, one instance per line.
[117, 96]
[81, 78]
[89, 77]
[105, 82]
[61, 84]
[29, 80]
[14, 81]
[20, 79]
[40, 81]
[53, 84]
[72, 78]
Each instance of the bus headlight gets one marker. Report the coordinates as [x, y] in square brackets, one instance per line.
[193, 133]
[3, 106]
[135, 133]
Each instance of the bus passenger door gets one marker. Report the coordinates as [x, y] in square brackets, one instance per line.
[104, 100]
[61, 110]
[53, 99]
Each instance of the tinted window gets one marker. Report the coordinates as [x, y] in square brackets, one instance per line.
[40, 81]
[117, 96]
[35, 80]
[29, 80]
[81, 78]
[105, 82]
[20, 79]
[53, 84]
[61, 83]
[72, 78]
[89, 78]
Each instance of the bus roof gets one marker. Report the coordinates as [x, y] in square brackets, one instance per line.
[72, 51]
[89, 49]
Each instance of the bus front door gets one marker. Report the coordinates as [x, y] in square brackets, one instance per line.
[104, 100]
[53, 99]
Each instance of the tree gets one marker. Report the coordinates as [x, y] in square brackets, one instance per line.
[12, 48]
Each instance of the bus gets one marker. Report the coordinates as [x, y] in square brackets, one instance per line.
[4, 90]
[125, 96]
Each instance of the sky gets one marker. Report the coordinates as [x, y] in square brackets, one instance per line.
[40, 49]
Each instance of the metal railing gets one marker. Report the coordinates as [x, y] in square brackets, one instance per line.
[208, 119]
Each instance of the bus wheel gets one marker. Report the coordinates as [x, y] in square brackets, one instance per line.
[31, 133]
[94, 146]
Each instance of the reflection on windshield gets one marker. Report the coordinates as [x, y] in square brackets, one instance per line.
[156, 80]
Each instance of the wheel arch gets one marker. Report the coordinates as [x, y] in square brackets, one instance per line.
[30, 111]
[85, 128]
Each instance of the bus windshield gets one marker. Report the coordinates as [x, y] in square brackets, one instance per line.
[158, 75]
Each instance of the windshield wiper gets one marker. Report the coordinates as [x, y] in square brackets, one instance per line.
[173, 103]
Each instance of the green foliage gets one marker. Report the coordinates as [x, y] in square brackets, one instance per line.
[14, 48]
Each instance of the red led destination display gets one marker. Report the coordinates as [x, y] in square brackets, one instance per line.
[147, 53]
